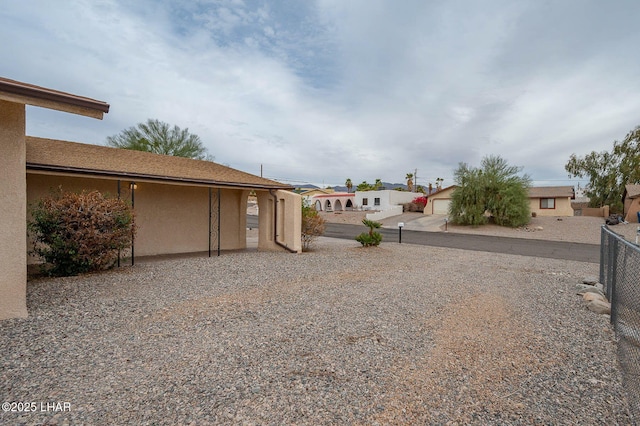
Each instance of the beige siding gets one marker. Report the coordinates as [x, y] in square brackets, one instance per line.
[562, 207]
[632, 209]
[13, 210]
[288, 224]
[170, 218]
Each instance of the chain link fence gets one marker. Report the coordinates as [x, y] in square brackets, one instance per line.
[620, 275]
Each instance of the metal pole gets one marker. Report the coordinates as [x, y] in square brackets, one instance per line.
[209, 221]
[118, 199]
[399, 235]
[133, 205]
[218, 221]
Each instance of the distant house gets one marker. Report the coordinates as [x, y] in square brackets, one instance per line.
[631, 202]
[543, 201]
[551, 200]
[308, 194]
[336, 201]
[438, 202]
[386, 203]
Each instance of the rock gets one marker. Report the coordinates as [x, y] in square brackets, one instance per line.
[539, 228]
[599, 287]
[588, 297]
[584, 288]
[590, 280]
[599, 307]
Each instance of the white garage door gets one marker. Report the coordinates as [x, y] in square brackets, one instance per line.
[441, 206]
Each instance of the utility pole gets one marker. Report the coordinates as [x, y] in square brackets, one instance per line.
[415, 181]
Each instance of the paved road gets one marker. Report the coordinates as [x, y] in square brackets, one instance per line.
[519, 246]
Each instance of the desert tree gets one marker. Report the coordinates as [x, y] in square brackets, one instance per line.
[348, 184]
[496, 188]
[409, 178]
[609, 172]
[160, 138]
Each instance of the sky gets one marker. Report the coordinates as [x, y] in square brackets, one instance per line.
[318, 91]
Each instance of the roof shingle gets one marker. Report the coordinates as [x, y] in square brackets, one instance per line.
[551, 191]
[72, 157]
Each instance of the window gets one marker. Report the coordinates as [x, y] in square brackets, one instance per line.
[376, 201]
[547, 203]
[365, 201]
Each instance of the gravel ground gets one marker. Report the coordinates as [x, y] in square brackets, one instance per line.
[399, 334]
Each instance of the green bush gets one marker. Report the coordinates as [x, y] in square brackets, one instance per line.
[76, 233]
[371, 238]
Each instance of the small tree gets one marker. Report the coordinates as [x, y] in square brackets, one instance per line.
[160, 138]
[371, 238]
[313, 225]
[79, 233]
[609, 172]
[409, 178]
[348, 184]
[364, 186]
[495, 188]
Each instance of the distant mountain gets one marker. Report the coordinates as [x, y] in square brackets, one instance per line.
[304, 186]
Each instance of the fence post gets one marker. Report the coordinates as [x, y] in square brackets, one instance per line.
[614, 276]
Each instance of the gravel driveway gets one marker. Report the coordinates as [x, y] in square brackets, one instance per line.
[399, 334]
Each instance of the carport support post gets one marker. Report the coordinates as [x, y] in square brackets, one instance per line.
[133, 206]
[209, 221]
[13, 211]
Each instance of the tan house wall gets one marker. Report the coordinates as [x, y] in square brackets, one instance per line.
[563, 207]
[13, 210]
[441, 195]
[596, 211]
[170, 218]
[632, 207]
[288, 224]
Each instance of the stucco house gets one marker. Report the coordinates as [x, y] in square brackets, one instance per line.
[543, 201]
[438, 202]
[336, 201]
[631, 202]
[385, 203]
[551, 200]
[181, 205]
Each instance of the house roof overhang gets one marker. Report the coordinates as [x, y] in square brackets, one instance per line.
[29, 94]
[48, 156]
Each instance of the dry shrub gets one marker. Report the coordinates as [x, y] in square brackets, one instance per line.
[313, 226]
[80, 232]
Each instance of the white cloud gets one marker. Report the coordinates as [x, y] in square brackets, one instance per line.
[321, 91]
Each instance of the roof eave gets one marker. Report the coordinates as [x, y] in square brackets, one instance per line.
[138, 176]
[15, 91]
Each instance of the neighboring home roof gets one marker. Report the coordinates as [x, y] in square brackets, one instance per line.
[311, 192]
[631, 191]
[437, 191]
[29, 94]
[70, 157]
[551, 191]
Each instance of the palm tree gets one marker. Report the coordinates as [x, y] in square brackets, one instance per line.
[409, 178]
[378, 185]
[349, 184]
[158, 137]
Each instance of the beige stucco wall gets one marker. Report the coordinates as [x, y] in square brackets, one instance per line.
[170, 218]
[632, 208]
[442, 195]
[289, 220]
[13, 210]
[563, 207]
